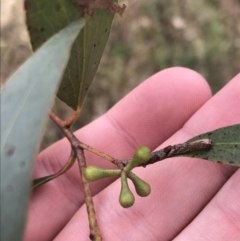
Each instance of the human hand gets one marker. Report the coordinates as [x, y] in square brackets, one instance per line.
[190, 200]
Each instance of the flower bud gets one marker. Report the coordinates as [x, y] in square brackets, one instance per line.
[141, 156]
[93, 173]
[143, 189]
[126, 198]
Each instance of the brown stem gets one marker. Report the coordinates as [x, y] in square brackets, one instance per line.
[169, 151]
[102, 154]
[66, 123]
[56, 119]
[71, 137]
[95, 234]
[72, 118]
[176, 150]
[77, 147]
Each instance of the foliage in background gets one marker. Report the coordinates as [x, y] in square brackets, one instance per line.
[45, 68]
[152, 35]
[45, 18]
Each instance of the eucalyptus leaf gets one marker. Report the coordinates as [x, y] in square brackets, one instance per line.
[44, 18]
[25, 99]
[225, 146]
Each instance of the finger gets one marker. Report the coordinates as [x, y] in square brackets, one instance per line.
[181, 187]
[220, 219]
[147, 116]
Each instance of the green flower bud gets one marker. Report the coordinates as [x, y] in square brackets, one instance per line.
[141, 156]
[143, 189]
[126, 198]
[93, 173]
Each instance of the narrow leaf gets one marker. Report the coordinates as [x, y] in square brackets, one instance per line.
[25, 100]
[45, 17]
[225, 146]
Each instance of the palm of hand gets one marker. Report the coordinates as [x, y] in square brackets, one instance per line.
[190, 199]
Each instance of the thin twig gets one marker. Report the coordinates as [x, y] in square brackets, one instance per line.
[169, 151]
[95, 234]
[77, 146]
[175, 150]
[72, 118]
[71, 137]
[66, 123]
[57, 120]
[101, 154]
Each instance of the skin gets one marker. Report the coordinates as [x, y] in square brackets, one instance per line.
[191, 199]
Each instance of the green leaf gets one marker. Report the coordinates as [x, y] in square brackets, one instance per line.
[225, 146]
[25, 100]
[45, 17]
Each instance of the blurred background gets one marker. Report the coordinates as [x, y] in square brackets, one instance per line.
[203, 35]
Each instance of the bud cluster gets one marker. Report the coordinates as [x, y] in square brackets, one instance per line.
[126, 197]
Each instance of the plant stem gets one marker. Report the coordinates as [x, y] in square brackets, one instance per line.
[72, 118]
[102, 154]
[169, 151]
[95, 234]
[71, 137]
[176, 150]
